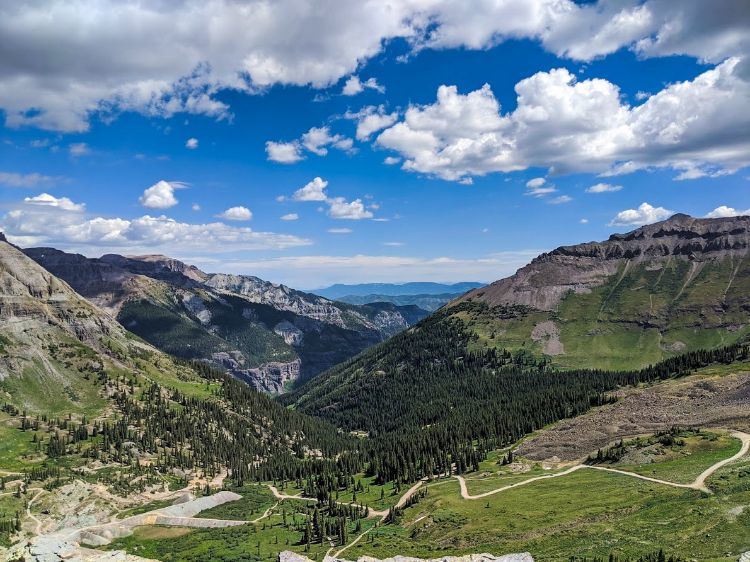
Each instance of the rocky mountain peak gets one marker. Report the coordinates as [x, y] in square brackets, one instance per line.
[550, 276]
[680, 235]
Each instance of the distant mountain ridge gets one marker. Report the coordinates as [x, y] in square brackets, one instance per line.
[429, 303]
[266, 334]
[395, 289]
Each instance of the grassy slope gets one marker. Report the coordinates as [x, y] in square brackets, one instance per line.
[639, 317]
[585, 513]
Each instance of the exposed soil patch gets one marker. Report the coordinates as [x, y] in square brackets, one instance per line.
[698, 400]
[549, 334]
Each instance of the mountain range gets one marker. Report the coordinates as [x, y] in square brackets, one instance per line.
[266, 334]
[124, 376]
[638, 298]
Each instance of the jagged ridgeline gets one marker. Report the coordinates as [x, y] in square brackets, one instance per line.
[267, 335]
[429, 398]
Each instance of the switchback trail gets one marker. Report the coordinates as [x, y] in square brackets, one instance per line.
[698, 484]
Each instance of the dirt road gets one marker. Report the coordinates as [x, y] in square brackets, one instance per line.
[698, 484]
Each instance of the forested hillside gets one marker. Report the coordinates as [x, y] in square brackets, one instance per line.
[426, 398]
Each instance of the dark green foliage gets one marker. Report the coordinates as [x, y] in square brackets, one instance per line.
[428, 403]
[169, 331]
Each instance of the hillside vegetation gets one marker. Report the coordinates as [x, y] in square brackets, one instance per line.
[630, 301]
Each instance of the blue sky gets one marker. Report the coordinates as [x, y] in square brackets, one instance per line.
[97, 156]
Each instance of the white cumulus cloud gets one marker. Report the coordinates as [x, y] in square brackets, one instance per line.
[161, 195]
[354, 86]
[238, 213]
[47, 200]
[316, 140]
[98, 59]
[284, 152]
[290, 217]
[724, 211]
[45, 225]
[314, 190]
[371, 119]
[644, 214]
[338, 207]
[191, 143]
[697, 126]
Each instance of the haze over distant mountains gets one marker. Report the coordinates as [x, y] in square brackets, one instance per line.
[425, 295]
[393, 289]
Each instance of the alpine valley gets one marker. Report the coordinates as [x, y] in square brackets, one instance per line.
[600, 390]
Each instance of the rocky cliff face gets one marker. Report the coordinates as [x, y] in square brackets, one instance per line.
[283, 298]
[548, 278]
[52, 340]
[32, 300]
[266, 334]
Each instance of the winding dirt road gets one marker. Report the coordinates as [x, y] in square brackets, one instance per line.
[698, 484]
[371, 513]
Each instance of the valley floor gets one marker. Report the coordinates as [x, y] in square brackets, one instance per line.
[687, 492]
[695, 504]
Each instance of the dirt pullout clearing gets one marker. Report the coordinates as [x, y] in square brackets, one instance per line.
[698, 400]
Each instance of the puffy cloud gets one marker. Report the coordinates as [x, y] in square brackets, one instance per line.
[560, 199]
[316, 140]
[340, 208]
[148, 234]
[371, 119]
[290, 217]
[603, 188]
[13, 179]
[644, 214]
[160, 195]
[354, 86]
[313, 190]
[698, 127]
[284, 152]
[724, 212]
[47, 200]
[195, 207]
[238, 213]
[391, 160]
[191, 143]
[67, 61]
